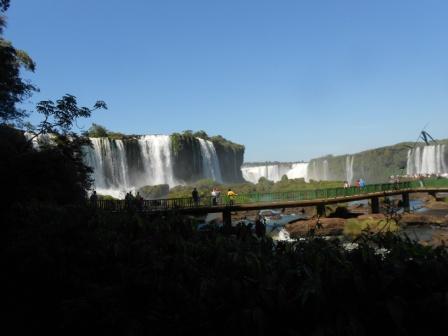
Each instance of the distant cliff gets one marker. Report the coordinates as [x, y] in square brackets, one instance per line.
[189, 157]
[377, 165]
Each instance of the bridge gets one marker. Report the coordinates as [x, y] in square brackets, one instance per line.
[291, 199]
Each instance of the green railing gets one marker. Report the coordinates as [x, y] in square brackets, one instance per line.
[290, 196]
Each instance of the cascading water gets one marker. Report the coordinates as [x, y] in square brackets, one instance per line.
[108, 161]
[427, 160]
[210, 162]
[115, 172]
[157, 159]
[349, 168]
[274, 172]
[298, 170]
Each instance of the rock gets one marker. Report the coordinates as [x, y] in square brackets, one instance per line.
[422, 219]
[436, 205]
[439, 237]
[329, 227]
[372, 216]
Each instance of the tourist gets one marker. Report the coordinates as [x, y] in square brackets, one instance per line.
[231, 195]
[357, 183]
[128, 200]
[362, 183]
[218, 195]
[139, 201]
[195, 196]
[94, 199]
[260, 226]
[214, 200]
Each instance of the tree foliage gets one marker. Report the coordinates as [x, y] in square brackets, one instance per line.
[13, 89]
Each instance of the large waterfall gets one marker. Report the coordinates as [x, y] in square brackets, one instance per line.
[119, 167]
[210, 162]
[427, 160]
[274, 172]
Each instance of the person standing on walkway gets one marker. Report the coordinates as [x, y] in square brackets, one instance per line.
[260, 226]
[214, 194]
[94, 199]
[231, 195]
[362, 183]
[195, 196]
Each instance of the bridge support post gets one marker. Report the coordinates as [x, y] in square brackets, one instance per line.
[321, 210]
[375, 205]
[227, 219]
[406, 203]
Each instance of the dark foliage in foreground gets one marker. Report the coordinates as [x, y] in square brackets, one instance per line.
[71, 270]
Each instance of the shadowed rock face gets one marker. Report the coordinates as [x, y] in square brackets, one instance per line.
[188, 161]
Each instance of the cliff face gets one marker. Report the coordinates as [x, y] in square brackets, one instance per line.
[230, 160]
[188, 158]
[376, 165]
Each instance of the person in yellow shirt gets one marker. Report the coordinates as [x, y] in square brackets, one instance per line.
[231, 194]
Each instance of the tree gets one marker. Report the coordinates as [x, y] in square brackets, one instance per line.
[97, 131]
[60, 117]
[13, 89]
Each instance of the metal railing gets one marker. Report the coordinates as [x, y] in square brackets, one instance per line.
[251, 198]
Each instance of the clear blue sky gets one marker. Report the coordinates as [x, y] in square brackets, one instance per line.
[291, 80]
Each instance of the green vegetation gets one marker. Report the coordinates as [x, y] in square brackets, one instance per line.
[154, 192]
[106, 198]
[13, 88]
[179, 140]
[355, 227]
[375, 165]
[98, 131]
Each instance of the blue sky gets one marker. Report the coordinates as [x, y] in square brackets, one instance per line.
[291, 80]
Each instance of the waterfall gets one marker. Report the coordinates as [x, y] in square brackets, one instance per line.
[210, 162]
[115, 173]
[274, 172]
[427, 160]
[120, 166]
[326, 170]
[108, 161]
[298, 170]
[349, 168]
[156, 150]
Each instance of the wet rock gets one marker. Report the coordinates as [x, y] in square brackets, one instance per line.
[323, 227]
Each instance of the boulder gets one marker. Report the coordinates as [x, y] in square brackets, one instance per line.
[328, 227]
